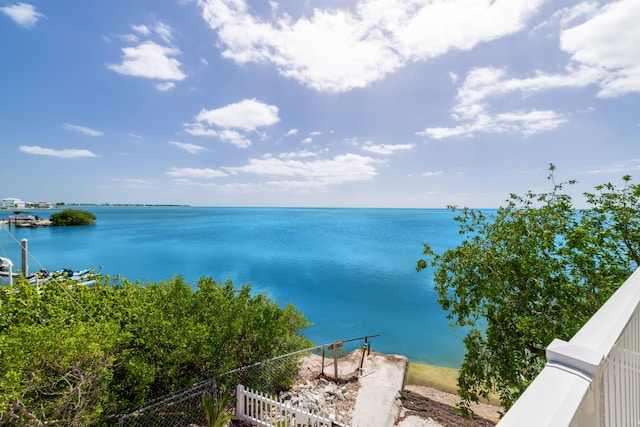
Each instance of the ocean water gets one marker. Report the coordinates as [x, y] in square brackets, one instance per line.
[350, 271]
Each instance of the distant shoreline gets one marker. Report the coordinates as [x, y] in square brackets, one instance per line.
[129, 204]
[95, 204]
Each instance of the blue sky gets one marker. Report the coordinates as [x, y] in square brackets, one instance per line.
[370, 103]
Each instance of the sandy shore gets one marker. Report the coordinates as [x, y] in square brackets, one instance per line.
[439, 384]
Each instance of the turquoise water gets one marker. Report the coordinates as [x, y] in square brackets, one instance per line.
[350, 271]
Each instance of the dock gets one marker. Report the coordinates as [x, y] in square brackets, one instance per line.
[28, 221]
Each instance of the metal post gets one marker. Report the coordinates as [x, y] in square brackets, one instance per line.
[25, 258]
[335, 361]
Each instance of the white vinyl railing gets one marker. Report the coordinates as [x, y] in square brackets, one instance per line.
[267, 411]
[594, 379]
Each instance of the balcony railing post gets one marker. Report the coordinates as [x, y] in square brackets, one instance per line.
[594, 379]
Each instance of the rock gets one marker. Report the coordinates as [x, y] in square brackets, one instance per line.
[331, 388]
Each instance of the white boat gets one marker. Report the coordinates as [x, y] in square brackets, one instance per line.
[84, 277]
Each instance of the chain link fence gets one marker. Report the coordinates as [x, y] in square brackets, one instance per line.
[340, 362]
[184, 408]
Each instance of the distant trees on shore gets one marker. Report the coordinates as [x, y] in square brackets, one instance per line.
[75, 355]
[536, 270]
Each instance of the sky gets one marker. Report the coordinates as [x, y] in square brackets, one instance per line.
[318, 103]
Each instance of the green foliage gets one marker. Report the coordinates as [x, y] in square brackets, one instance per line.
[73, 355]
[216, 411]
[73, 217]
[534, 271]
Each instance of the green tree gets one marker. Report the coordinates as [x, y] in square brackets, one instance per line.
[535, 270]
[73, 217]
[74, 355]
[55, 367]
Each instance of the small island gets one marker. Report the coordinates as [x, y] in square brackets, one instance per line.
[62, 218]
[73, 217]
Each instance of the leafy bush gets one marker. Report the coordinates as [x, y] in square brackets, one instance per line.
[73, 355]
[73, 217]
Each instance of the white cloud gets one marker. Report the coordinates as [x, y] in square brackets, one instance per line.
[609, 41]
[387, 148]
[142, 29]
[164, 31]
[568, 15]
[343, 168]
[472, 107]
[228, 123]
[150, 60]
[603, 52]
[336, 50]
[297, 155]
[23, 14]
[65, 153]
[195, 173]
[433, 173]
[316, 133]
[83, 129]
[225, 135]
[189, 148]
[234, 137]
[529, 123]
[247, 114]
[307, 140]
[198, 129]
[163, 87]
[292, 132]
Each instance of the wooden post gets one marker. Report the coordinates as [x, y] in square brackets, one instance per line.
[25, 258]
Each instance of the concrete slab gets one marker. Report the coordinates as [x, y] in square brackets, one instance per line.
[378, 402]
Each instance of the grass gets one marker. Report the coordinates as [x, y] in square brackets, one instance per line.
[438, 377]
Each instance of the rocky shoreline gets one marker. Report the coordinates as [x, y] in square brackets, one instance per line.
[415, 406]
[418, 406]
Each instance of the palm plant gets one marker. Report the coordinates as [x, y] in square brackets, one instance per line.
[216, 410]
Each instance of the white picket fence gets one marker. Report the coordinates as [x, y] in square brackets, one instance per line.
[267, 411]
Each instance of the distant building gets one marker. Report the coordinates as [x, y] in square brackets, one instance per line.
[13, 203]
[45, 205]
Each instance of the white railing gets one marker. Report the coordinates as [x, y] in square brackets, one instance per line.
[594, 379]
[267, 411]
[6, 269]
